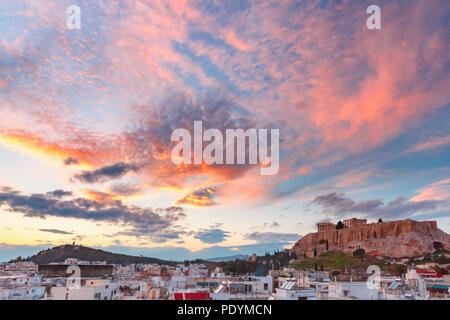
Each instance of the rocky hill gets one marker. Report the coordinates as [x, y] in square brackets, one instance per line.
[397, 239]
[61, 253]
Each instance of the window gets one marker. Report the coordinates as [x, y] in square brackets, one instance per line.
[266, 286]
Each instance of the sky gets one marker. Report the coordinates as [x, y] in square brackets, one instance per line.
[87, 116]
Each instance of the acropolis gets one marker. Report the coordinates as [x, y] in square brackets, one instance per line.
[402, 238]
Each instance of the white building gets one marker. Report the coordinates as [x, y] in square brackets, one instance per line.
[250, 288]
[352, 290]
[289, 290]
[22, 293]
[96, 289]
[198, 270]
[218, 273]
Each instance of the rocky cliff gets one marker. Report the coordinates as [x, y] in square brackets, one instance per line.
[404, 238]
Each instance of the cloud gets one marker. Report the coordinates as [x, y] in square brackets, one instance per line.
[100, 195]
[59, 194]
[303, 171]
[213, 235]
[77, 144]
[272, 237]
[158, 236]
[431, 143]
[151, 137]
[126, 189]
[274, 70]
[55, 231]
[143, 220]
[115, 192]
[106, 173]
[200, 198]
[272, 225]
[338, 205]
[70, 161]
[337, 90]
[439, 190]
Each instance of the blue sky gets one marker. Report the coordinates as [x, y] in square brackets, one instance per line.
[362, 115]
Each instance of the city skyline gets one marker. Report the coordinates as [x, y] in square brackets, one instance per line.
[87, 118]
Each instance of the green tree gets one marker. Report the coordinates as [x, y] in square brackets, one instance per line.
[438, 245]
[400, 269]
[359, 253]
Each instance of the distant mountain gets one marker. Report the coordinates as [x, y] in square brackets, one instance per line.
[229, 258]
[61, 253]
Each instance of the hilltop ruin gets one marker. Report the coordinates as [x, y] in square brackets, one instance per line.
[397, 239]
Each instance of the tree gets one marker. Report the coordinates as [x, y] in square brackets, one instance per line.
[339, 225]
[359, 253]
[401, 269]
[438, 245]
[380, 220]
[335, 273]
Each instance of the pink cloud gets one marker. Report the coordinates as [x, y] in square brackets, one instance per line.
[431, 143]
[439, 190]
